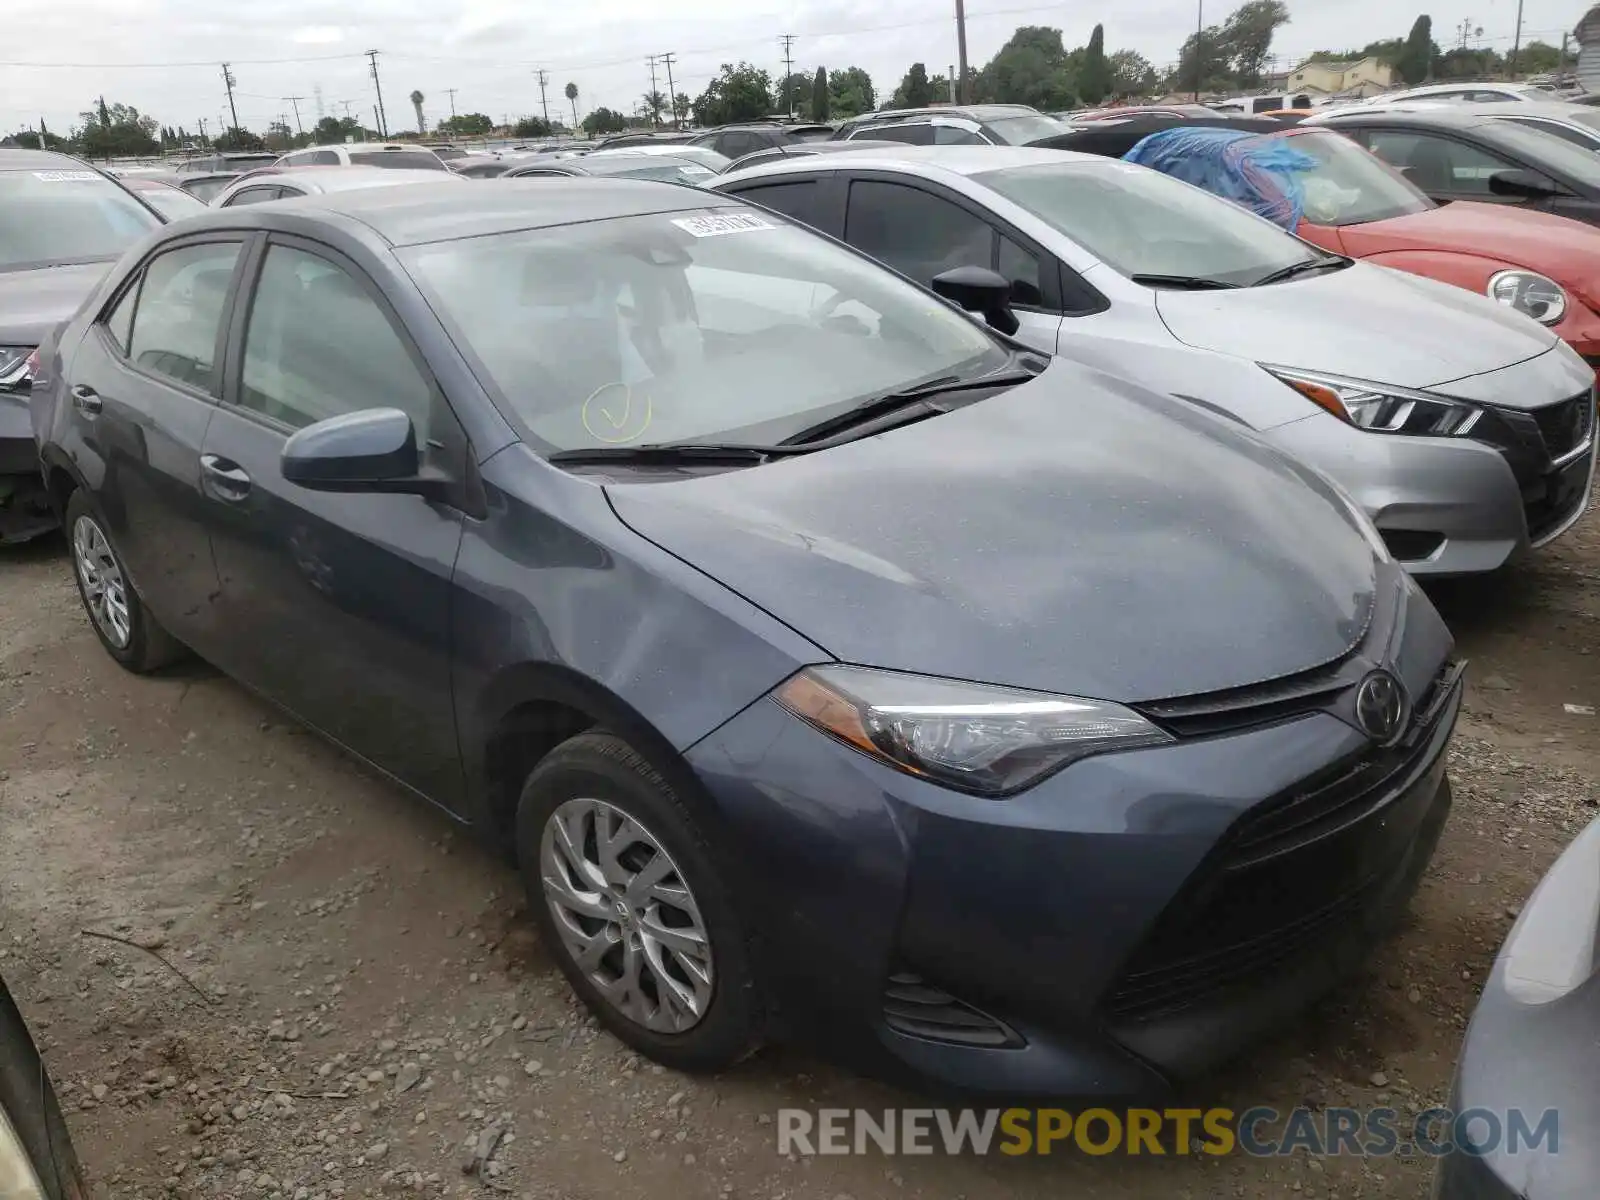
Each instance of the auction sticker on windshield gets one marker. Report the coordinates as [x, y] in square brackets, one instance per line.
[65, 176]
[715, 224]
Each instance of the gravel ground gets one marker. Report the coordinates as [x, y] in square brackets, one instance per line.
[352, 1001]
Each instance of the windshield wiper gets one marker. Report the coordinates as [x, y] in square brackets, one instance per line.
[1335, 262]
[1193, 283]
[881, 406]
[668, 454]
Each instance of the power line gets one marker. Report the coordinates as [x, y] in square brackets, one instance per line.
[788, 70]
[383, 123]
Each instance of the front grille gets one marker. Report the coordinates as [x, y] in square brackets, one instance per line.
[1291, 871]
[1565, 426]
[914, 1007]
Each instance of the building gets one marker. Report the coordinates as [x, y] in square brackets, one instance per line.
[1587, 35]
[1355, 78]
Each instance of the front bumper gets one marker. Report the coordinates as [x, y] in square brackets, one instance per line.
[1128, 923]
[24, 504]
[1522, 1059]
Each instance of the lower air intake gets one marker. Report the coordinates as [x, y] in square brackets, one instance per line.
[917, 1009]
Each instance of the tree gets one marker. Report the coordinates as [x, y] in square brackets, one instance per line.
[850, 92]
[1033, 67]
[465, 125]
[239, 139]
[1247, 36]
[914, 91]
[680, 109]
[116, 130]
[654, 103]
[1415, 62]
[794, 93]
[603, 120]
[1538, 58]
[819, 95]
[1466, 63]
[1203, 63]
[571, 92]
[328, 132]
[279, 136]
[1131, 73]
[738, 93]
[532, 127]
[416, 103]
[1094, 78]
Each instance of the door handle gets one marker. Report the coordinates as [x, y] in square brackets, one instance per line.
[226, 479]
[86, 399]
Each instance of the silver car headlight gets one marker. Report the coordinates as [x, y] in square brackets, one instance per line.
[1379, 408]
[15, 369]
[970, 736]
[1529, 293]
[1551, 949]
[18, 1178]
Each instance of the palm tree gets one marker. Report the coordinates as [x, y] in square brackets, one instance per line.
[572, 95]
[416, 103]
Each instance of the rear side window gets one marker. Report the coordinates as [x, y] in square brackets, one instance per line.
[409, 160]
[797, 200]
[913, 135]
[954, 135]
[318, 345]
[179, 312]
[252, 195]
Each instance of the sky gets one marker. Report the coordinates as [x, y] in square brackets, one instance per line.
[164, 56]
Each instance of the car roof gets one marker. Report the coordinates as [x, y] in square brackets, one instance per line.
[445, 209]
[925, 160]
[1445, 116]
[1554, 109]
[36, 160]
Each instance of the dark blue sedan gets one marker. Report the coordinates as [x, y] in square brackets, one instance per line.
[830, 664]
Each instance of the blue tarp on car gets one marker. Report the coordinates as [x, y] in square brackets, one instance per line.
[1255, 172]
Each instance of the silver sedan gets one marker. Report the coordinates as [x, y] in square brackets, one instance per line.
[1464, 429]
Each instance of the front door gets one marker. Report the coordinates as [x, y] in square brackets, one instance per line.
[339, 604]
[143, 386]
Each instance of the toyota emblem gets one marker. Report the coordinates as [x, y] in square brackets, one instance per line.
[1381, 707]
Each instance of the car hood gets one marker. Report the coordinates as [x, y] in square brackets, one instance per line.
[34, 302]
[1076, 534]
[1365, 322]
[1565, 250]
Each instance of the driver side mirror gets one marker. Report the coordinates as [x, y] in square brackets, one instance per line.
[1524, 185]
[373, 450]
[979, 290]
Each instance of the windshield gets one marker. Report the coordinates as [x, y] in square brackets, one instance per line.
[413, 160]
[1351, 186]
[721, 325]
[170, 202]
[1141, 222]
[65, 216]
[666, 171]
[1030, 127]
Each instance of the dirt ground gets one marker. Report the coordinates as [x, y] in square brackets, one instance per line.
[369, 998]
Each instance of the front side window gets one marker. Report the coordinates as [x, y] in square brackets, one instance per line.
[718, 324]
[120, 323]
[57, 216]
[252, 195]
[915, 232]
[1438, 164]
[913, 135]
[1143, 223]
[955, 135]
[179, 312]
[317, 345]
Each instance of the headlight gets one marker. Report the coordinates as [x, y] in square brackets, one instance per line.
[1551, 949]
[968, 736]
[1530, 294]
[14, 366]
[18, 1179]
[1380, 408]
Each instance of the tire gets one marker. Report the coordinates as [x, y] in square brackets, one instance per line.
[128, 631]
[595, 782]
[29, 1104]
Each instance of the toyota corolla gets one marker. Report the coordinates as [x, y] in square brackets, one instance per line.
[830, 664]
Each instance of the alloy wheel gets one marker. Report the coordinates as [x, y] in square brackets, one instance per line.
[626, 915]
[104, 586]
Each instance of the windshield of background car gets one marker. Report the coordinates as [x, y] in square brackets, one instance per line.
[1539, 148]
[719, 324]
[171, 202]
[66, 216]
[1349, 186]
[1030, 127]
[411, 160]
[1141, 222]
[666, 171]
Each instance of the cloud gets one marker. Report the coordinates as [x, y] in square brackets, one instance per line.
[318, 35]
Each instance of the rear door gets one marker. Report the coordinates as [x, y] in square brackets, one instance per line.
[338, 605]
[143, 386]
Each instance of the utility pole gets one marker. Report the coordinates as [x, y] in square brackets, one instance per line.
[672, 94]
[952, 70]
[202, 131]
[228, 81]
[961, 48]
[295, 100]
[1562, 69]
[383, 125]
[451, 92]
[655, 113]
[1516, 43]
[1199, 45]
[544, 78]
[788, 70]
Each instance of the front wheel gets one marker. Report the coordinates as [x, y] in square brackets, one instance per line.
[626, 893]
[125, 627]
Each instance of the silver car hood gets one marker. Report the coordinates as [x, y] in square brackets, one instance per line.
[1365, 322]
